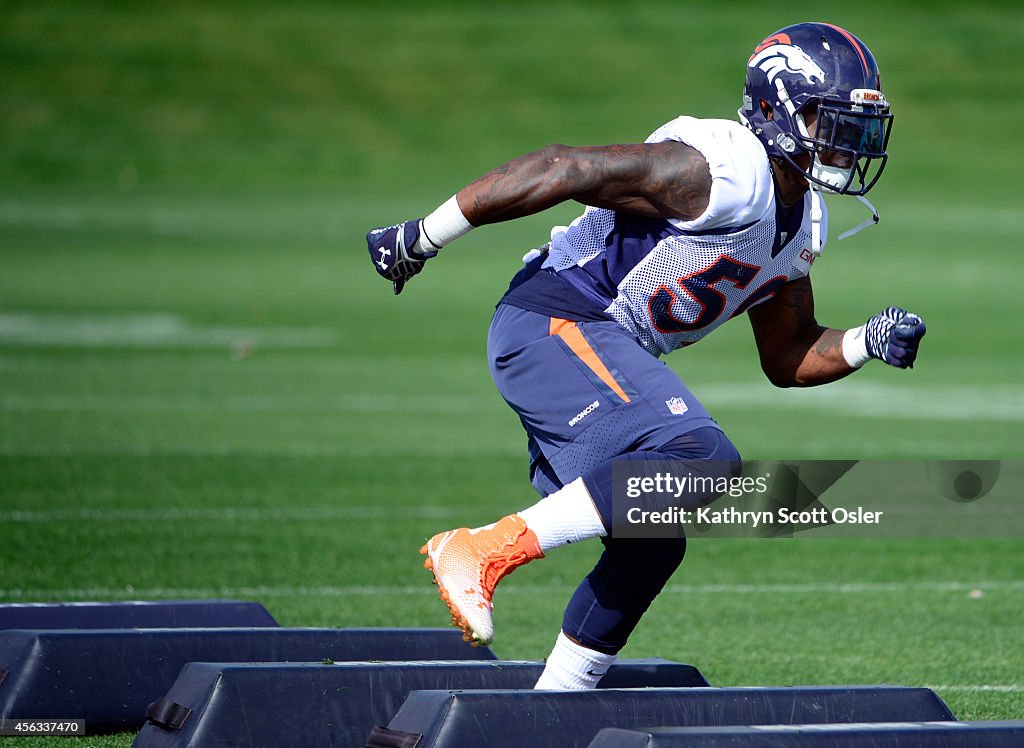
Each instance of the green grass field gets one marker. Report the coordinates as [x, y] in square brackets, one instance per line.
[204, 386]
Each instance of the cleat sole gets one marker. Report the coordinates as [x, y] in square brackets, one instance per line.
[458, 620]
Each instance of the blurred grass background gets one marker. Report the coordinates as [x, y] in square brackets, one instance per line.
[203, 384]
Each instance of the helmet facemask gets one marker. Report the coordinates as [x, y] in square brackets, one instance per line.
[848, 145]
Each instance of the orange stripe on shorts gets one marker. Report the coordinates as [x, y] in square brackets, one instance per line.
[570, 333]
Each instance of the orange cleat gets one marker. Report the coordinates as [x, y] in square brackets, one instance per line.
[468, 564]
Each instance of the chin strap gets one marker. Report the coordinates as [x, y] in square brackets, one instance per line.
[816, 221]
[861, 226]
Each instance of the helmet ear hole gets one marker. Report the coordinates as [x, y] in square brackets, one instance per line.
[766, 110]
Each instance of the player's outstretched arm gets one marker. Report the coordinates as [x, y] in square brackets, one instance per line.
[796, 351]
[666, 180]
[660, 180]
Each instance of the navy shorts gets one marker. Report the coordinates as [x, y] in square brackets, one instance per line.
[586, 392]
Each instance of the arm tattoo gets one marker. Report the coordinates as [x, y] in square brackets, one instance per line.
[795, 350]
[514, 189]
[690, 188]
[830, 344]
[656, 180]
[799, 304]
[671, 178]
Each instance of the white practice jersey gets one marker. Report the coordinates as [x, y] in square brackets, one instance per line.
[670, 282]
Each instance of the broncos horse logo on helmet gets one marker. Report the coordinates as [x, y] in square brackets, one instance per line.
[779, 58]
[820, 68]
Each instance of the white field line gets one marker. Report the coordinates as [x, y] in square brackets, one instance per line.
[130, 592]
[275, 514]
[150, 331]
[847, 588]
[252, 220]
[145, 364]
[252, 403]
[226, 514]
[248, 220]
[998, 402]
[981, 688]
[364, 449]
[943, 449]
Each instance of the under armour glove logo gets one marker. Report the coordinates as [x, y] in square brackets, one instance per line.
[893, 336]
[392, 251]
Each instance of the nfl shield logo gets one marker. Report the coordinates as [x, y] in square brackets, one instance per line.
[677, 406]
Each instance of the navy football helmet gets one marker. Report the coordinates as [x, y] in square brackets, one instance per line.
[823, 70]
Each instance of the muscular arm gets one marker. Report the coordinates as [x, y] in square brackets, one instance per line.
[663, 180]
[795, 350]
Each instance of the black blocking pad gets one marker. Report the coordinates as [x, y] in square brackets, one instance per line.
[260, 704]
[161, 614]
[516, 718]
[892, 735]
[109, 676]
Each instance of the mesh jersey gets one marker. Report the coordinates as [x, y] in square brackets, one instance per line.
[670, 282]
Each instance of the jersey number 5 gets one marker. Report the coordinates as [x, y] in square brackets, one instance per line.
[700, 287]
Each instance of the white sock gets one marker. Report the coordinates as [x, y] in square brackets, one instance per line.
[572, 667]
[566, 516]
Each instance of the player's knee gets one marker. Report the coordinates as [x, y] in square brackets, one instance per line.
[665, 555]
[707, 444]
[641, 562]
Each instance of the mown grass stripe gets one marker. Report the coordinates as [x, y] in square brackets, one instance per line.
[869, 401]
[227, 514]
[272, 514]
[981, 687]
[951, 449]
[83, 593]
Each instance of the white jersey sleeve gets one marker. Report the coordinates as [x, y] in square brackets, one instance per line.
[670, 281]
[741, 186]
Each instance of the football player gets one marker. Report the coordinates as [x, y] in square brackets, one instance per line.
[706, 220]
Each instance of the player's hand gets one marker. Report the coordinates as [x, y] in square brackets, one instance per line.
[395, 253]
[893, 336]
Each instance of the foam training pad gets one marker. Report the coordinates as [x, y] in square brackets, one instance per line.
[337, 705]
[517, 718]
[879, 735]
[109, 676]
[161, 614]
